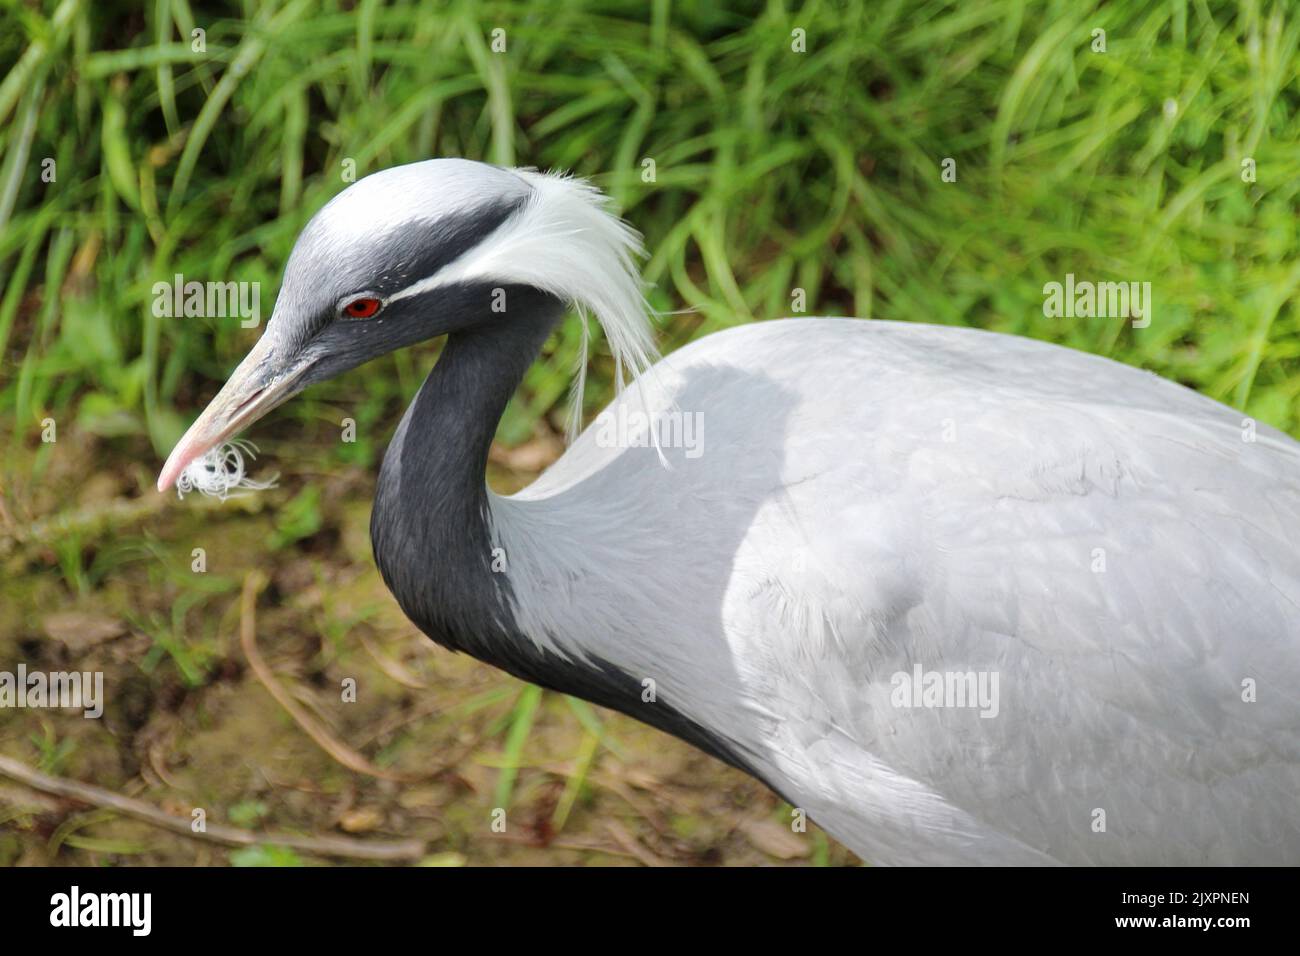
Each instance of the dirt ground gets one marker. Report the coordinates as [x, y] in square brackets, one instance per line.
[97, 573]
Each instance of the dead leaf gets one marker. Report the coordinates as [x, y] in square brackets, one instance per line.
[361, 820]
[532, 456]
[775, 840]
[78, 630]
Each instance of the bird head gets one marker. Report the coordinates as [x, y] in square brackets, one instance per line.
[417, 251]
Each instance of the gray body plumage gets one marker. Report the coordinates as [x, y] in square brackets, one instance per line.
[867, 500]
[829, 537]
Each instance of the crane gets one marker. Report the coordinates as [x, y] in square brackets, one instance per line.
[961, 597]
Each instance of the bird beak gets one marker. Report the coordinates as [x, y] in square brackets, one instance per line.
[258, 385]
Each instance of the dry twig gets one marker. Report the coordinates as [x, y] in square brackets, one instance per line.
[340, 751]
[215, 832]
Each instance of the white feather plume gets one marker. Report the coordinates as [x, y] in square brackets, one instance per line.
[565, 241]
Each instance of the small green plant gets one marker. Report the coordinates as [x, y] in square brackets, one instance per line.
[265, 856]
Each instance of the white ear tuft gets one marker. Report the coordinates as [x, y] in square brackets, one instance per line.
[567, 242]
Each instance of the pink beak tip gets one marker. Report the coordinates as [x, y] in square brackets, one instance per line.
[173, 467]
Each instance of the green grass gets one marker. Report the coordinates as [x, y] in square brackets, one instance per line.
[777, 174]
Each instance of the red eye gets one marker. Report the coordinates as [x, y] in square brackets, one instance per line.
[362, 308]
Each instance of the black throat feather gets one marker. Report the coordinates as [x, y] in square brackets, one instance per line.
[431, 525]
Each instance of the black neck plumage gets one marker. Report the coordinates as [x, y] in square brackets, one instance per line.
[431, 525]
[432, 532]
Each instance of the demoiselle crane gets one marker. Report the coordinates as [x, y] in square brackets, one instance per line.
[961, 597]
